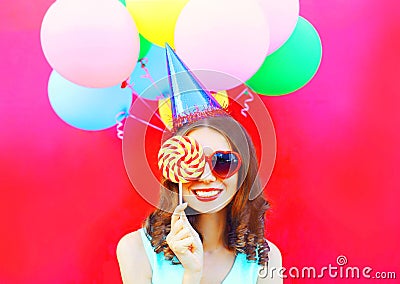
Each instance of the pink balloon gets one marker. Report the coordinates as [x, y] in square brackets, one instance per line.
[282, 17]
[93, 43]
[225, 36]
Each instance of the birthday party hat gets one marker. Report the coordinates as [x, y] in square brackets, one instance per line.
[190, 101]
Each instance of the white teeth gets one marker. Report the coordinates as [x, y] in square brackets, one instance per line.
[207, 193]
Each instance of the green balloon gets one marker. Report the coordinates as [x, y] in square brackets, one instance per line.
[144, 46]
[123, 2]
[291, 66]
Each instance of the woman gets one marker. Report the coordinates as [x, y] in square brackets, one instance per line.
[217, 235]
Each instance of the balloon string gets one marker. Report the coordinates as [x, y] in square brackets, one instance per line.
[134, 93]
[147, 75]
[124, 115]
[119, 118]
[246, 107]
[146, 123]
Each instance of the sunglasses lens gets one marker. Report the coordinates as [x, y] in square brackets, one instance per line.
[225, 164]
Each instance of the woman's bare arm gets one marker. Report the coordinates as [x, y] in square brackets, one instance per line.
[274, 266]
[133, 262]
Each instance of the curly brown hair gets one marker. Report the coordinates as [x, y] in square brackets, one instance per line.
[244, 228]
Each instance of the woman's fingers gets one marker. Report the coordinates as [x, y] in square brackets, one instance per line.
[184, 241]
[184, 233]
[176, 227]
[175, 241]
[183, 245]
[177, 213]
[187, 224]
[178, 230]
[185, 219]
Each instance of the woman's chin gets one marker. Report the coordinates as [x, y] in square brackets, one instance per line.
[196, 206]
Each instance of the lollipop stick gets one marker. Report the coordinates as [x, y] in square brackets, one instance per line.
[180, 193]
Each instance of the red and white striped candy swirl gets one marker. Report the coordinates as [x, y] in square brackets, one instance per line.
[181, 159]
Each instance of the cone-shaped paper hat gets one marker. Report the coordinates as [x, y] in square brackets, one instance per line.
[190, 101]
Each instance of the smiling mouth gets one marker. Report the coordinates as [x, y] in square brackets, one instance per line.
[207, 194]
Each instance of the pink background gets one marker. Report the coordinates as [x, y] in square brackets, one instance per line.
[66, 199]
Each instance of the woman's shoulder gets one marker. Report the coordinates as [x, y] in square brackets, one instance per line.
[132, 258]
[271, 275]
[274, 250]
[129, 243]
[274, 255]
[130, 237]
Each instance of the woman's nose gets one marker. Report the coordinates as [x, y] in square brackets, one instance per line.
[207, 175]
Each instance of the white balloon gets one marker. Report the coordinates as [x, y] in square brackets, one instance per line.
[225, 36]
[282, 17]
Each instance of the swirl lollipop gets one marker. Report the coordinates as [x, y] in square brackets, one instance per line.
[181, 159]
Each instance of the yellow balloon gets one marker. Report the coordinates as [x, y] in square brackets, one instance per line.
[222, 98]
[156, 19]
[164, 107]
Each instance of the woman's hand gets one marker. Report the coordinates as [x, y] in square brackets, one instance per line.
[185, 242]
